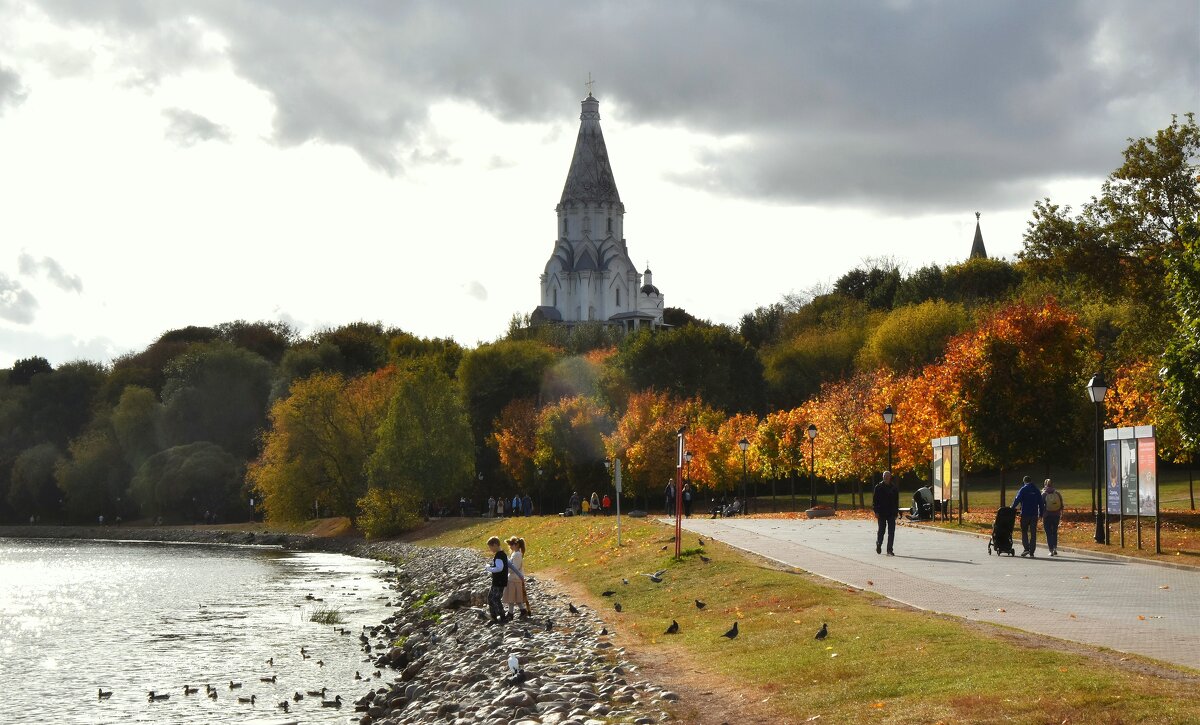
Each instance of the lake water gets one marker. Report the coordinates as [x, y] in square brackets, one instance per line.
[131, 617]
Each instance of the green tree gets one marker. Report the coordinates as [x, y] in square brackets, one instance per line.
[23, 370]
[425, 449]
[136, 422]
[927, 283]
[183, 482]
[795, 369]
[712, 363]
[493, 375]
[59, 405]
[94, 477]
[270, 340]
[981, 280]
[876, 283]
[1182, 359]
[570, 445]
[33, 489]
[217, 393]
[911, 337]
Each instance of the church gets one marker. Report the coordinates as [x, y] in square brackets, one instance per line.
[590, 277]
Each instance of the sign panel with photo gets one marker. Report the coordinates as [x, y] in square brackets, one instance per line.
[955, 472]
[1112, 476]
[1129, 477]
[1147, 471]
[937, 469]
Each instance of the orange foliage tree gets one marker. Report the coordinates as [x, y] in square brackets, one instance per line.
[1136, 398]
[514, 438]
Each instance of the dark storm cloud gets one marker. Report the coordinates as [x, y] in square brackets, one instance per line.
[188, 128]
[17, 304]
[30, 266]
[902, 105]
[11, 90]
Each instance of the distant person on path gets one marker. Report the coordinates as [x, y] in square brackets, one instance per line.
[606, 502]
[527, 505]
[1052, 505]
[462, 505]
[499, 571]
[1029, 503]
[585, 506]
[595, 504]
[516, 505]
[670, 496]
[514, 591]
[885, 501]
[491, 507]
[687, 500]
[573, 505]
[500, 508]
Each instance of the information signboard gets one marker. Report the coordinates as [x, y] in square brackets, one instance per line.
[1112, 477]
[1147, 472]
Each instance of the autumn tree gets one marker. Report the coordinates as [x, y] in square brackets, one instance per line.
[321, 437]
[570, 444]
[514, 439]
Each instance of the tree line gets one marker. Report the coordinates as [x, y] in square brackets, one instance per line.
[375, 423]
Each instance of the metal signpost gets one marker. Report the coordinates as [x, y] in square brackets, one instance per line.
[617, 480]
[679, 492]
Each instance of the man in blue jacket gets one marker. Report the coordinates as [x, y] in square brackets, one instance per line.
[1031, 506]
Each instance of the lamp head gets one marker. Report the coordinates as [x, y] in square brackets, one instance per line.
[889, 415]
[743, 444]
[688, 456]
[812, 431]
[1097, 388]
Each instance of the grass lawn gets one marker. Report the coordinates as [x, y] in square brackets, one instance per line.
[881, 663]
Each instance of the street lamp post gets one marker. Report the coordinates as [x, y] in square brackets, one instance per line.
[889, 416]
[812, 465]
[1096, 390]
[744, 445]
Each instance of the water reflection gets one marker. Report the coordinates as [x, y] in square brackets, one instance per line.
[134, 617]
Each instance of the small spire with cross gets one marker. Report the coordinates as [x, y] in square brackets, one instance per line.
[589, 83]
[976, 216]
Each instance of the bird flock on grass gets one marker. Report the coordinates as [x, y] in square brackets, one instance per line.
[674, 628]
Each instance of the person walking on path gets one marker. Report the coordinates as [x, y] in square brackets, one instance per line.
[1031, 508]
[516, 505]
[1052, 506]
[670, 496]
[573, 504]
[499, 571]
[606, 502]
[595, 504]
[885, 501]
[527, 505]
[687, 500]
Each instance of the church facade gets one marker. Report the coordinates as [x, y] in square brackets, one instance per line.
[590, 276]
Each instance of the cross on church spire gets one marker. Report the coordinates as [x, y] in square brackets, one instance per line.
[589, 83]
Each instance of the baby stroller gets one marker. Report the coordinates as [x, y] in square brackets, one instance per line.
[1002, 532]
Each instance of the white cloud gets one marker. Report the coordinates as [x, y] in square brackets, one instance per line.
[17, 304]
[187, 128]
[52, 270]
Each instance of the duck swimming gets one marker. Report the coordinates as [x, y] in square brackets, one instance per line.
[158, 698]
[102, 695]
[234, 685]
[335, 702]
[317, 693]
[247, 700]
[190, 690]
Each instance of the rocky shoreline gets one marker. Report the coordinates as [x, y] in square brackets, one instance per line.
[441, 661]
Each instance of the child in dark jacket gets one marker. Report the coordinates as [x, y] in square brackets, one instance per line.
[499, 571]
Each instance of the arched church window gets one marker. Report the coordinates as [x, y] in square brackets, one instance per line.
[610, 225]
[587, 224]
[618, 297]
[556, 297]
[565, 228]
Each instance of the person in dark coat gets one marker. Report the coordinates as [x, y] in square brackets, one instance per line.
[1031, 506]
[885, 501]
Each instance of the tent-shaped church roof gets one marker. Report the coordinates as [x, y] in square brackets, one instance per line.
[590, 179]
[977, 249]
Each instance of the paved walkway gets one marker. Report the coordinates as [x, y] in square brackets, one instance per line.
[1127, 606]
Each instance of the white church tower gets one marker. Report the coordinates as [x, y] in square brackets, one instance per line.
[590, 277]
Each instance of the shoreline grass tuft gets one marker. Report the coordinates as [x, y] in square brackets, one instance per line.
[327, 615]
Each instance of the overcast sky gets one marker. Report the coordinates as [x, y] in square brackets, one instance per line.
[166, 163]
